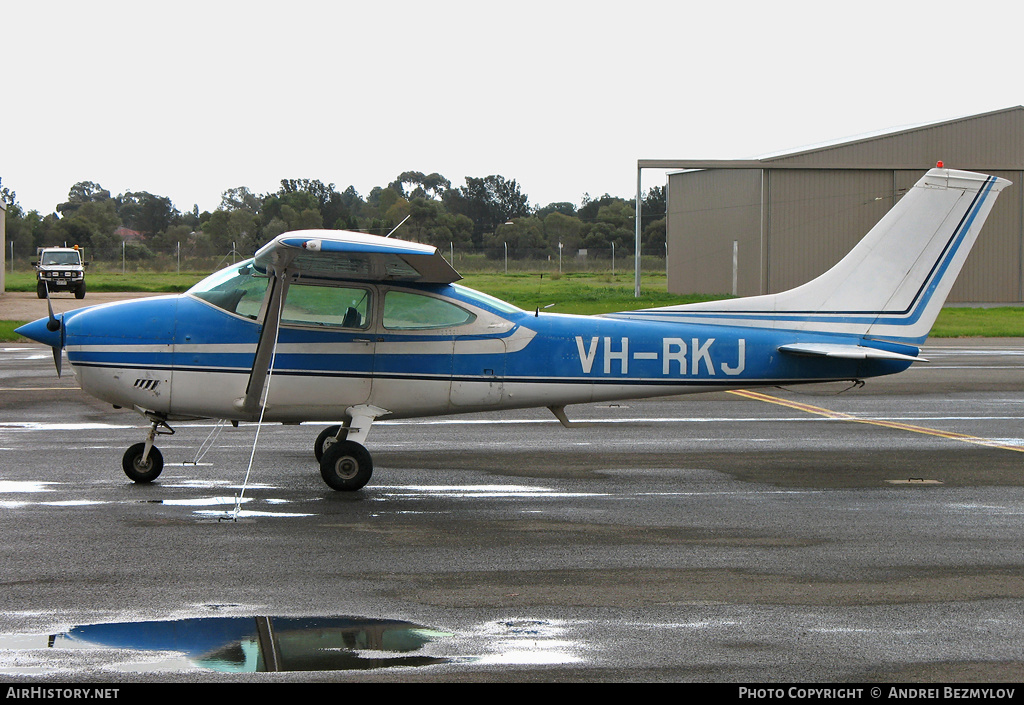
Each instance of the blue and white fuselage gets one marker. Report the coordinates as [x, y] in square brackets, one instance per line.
[339, 326]
[185, 357]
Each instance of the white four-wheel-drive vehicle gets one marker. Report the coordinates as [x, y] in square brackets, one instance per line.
[60, 269]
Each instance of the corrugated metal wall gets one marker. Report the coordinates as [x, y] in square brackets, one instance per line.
[992, 272]
[803, 212]
[815, 217]
[707, 211]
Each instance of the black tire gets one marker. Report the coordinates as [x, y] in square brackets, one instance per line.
[136, 470]
[327, 438]
[346, 466]
[41, 290]
[80, 291]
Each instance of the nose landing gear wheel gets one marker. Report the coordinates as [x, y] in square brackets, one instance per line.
[327, 438]
[139, 471]
[346, 466]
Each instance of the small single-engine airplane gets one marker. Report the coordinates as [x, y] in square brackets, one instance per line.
[352, 327]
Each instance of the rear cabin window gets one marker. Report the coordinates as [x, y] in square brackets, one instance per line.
[408, 311]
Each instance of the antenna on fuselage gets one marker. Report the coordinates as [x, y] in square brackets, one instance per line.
[399, 225]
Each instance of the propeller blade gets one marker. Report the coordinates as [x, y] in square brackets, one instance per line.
[48, 331]
[53, 324]
[57, 360]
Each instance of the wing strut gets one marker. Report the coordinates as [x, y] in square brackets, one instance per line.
[271, 321]
[265, 348]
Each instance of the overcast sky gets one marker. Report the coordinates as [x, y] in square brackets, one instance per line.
[188, 99]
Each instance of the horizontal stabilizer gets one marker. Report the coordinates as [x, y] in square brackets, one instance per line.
[849, 352]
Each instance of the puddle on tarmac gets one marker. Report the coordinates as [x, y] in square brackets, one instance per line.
[242, 644]
[17, 486]
[267, 644]
[479, 491]
[42, 426]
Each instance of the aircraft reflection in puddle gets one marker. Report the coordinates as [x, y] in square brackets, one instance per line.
[258, 644]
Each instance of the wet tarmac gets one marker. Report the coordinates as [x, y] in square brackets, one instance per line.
[808, 536]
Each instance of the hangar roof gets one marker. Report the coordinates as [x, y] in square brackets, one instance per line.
[988, 141]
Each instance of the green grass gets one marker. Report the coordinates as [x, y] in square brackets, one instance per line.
[578, 293]
[1002, 322]
[154, 282]
[7, 334]
[583, 293]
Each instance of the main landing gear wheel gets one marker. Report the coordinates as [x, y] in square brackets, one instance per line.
[139, 471]
[346, 465]
[327, 438]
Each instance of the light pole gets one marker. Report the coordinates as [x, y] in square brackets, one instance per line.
[496, 229]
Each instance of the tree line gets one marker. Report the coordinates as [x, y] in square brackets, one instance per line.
[488, 214]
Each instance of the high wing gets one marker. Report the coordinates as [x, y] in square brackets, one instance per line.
[344, 255]
[326, 257]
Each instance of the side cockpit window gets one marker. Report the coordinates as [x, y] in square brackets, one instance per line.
[335, 306]
[241, 290]
[408, 311]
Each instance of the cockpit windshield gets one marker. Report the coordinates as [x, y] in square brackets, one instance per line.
[236, 289]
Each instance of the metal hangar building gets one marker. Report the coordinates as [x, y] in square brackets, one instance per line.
[761, 226]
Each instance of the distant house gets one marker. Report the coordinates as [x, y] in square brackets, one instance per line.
[128, 235]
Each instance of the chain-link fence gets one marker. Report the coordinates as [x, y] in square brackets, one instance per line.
[180, 258]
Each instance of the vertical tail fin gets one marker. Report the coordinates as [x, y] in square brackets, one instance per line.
[892, 284]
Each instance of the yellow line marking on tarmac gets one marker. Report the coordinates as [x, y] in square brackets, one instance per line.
[828, 413]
